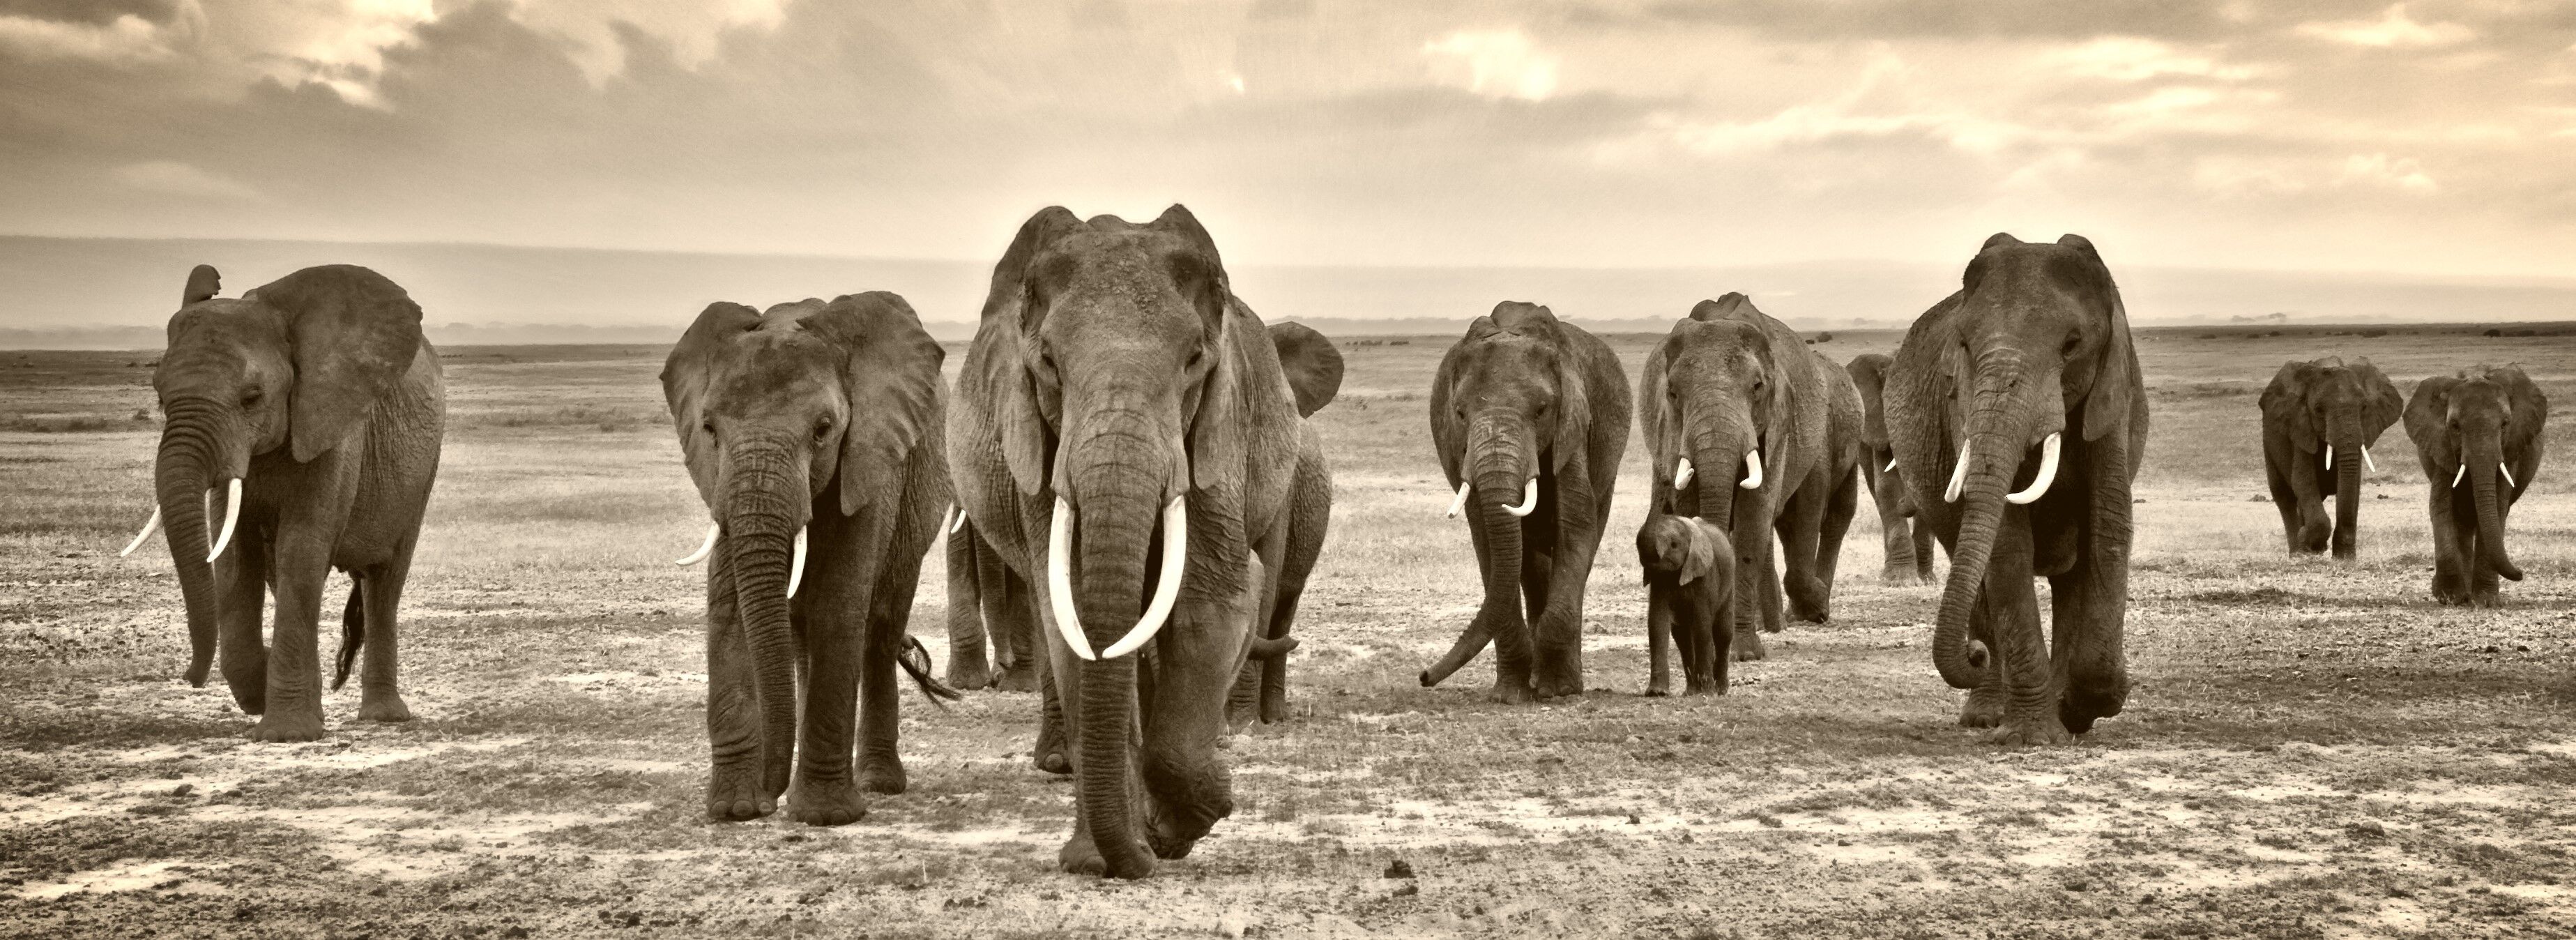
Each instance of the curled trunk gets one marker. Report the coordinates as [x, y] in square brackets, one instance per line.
[760, 532]
[191, 451]
[1997, 441]
[2485, 460]
[1497, 479]
[1113, 531]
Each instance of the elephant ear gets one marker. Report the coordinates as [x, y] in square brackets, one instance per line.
[203, 284]
[689, 374]
[890, 369]
[2380, 407]
[2530, 407]
[1313, 366]
[2427, 412]
[2115, 375]
[1732, 306]
[355, 333]
[1702, 551]
[1869, 375]
[2285, 406]
[1027, 442]
[1573, 402]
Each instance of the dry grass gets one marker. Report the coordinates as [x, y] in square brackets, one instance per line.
[2314, 749]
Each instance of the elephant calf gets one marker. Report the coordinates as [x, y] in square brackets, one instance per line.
[1690, 600]
[2479, 436]
[813, 432]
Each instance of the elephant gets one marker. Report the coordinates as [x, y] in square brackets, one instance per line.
[1777, 428]
[812, 432]
[2032, 356]
[2312, 411]
[983, 591]
[2471, 428]
[316, 407]
[1128, 439]
[1261, 690]
[1690, 595]
[1530, 417]
[1908, 543]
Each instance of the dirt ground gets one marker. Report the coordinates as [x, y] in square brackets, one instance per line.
[2314, 749]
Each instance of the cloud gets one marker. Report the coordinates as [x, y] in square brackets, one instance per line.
[2393, 29]
[179, 179]
[2134, 59]
[102, 34]
[1497, 63]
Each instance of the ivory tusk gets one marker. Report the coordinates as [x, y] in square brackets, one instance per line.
[706, 548]
[2508, 475]
[1060, 580]
[1461, 502]
[2366, 461]
[2329, 456]
[960, 521]
[149, 526]
[2047, 473]
[1529, 499]
[1891, 465]
[1958, 477]
[232, 514]
[1752, 470]
[2457, 474]
[1682, 473]
[796, 567]
[1167, 591]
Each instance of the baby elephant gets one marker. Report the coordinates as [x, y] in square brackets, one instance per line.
[1690, 597]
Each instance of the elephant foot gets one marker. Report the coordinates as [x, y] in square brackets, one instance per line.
[734, 793]
[2486, 597]
[882, 776]
[1903, 577]
[386, 707]
[1658, 687]
[2087, 702]
[1698, 688]
[1054, 762]
[1017, 679]
[817, 802]
[1513, 693]
[286, 726]
[249, 686]
[2030, 732]
[1080, 857]
[1985, 709]
[1747, 647]
[1274, 705]
[967, 675]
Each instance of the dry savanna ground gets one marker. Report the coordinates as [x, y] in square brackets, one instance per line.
[2313, 749]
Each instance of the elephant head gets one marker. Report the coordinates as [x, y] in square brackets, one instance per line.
[804, 408]
[2043, 351]
[296, 365]
[1679, 550]
[1725, 405]
[2478, 427]
[2331, 413]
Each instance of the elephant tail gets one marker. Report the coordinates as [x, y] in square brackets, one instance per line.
[353, 630]
[915, 660]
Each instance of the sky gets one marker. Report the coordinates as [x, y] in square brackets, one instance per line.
[2434, 137]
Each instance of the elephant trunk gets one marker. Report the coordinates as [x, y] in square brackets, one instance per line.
[1998, 438]
[1722, 457]
[763, 512]
[1117, 509]
[2348, 460]
[192, 449]
[2486, 458]
[1498, 476]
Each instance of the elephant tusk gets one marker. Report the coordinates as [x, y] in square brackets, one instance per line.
[1461, 502]
[1891, 465]
[149, 526]
[2508, 475]
[1958, 477]
[232, 514]
[1060, 580]
[1682, 473]
[2047, 473]
[1752, 470]
[706, 548]
[2457, 474]
[1529, 499]
[1167, 591]
[796, 568]
[960, 522]
[2366, 461]
[2329, 456]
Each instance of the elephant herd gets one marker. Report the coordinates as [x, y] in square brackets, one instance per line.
[1133, 496]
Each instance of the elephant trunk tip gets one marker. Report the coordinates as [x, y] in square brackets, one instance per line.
[1427, 679]
[1977, 655]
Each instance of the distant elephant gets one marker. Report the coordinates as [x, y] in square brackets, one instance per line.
[2023, 380]
[2313, 413]
[982, 593]
[315, 406]
[812, 431]
[1690, 594]
[2474, 427]
[1128, 440]
[1530, 416]
[1908, 544]
[1757, 434]
[1261, 690]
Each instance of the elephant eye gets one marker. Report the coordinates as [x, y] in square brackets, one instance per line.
[251, 397]
[708, 426]
[2072, 341]
[822, 429]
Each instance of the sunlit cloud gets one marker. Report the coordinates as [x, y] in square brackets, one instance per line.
[127, 39]
[1495, 63]
[2134, 59]
[2393, 29]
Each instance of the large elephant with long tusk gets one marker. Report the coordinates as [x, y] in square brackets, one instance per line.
[2479, 434]
[1530, 417]
[1755, 433]
[2019, 418]
[1129, 433]
[2319, 420]
[308, 413]
[812, 431]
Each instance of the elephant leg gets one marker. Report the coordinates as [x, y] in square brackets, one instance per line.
[1714, 635]
[880, 691]
[242, 577]
[379, 693]
[302, 571]
[2087, 618]
[2286, 499]
[1282, 622]
[1050, 753]
[1842, 502]
[1800, 526]
[968, 668]
[2021, 649]
[824, 792]
[1923, 546]
[1183, 712]
[735, 790]
[2450, 561]
[1659, 635]
[1557, 628]
[1244, 699]
[1064, 685]
[1896, 532]
[1985, 705]
[2485, 586]
[1012, 615]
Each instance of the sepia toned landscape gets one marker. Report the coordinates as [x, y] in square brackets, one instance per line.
[2313, 748]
